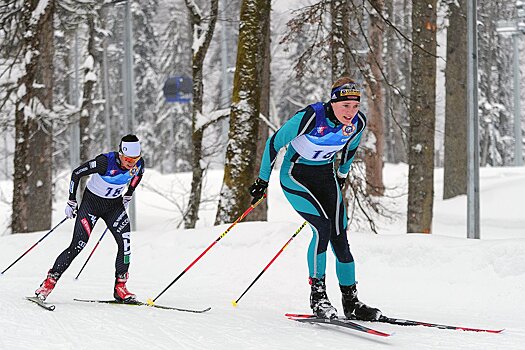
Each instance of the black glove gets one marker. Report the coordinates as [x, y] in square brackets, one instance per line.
[258, 189]
[341, 181]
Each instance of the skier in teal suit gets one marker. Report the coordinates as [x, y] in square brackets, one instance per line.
[313, 187]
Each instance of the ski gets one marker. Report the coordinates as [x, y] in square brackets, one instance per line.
[140, 303]
[403, 322]
[41, 303]
[336, 322]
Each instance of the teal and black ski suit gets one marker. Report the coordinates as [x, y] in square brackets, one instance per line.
[308, 179]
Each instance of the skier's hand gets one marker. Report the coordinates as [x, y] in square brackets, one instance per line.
[125, 201]
[341, 181]
[258, 189]
[71, 209]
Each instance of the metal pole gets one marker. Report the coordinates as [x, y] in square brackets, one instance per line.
[129, 107]
[34, 245]
[125, 85]
[518, 154]
[107, 115]
[129, 69]
[239, 219]
[473, 126]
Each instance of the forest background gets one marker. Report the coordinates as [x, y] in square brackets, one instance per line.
[252, 63]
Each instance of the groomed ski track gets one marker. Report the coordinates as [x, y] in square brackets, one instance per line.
[440, 278]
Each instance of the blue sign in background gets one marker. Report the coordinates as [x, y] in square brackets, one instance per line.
[178, 89]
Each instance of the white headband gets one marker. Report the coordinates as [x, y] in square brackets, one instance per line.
[130, 149]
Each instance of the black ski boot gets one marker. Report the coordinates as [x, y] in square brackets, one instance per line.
[319, 302]
[354, 309]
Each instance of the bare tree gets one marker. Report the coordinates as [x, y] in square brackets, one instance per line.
[244, 117]
[313, 40]
[455, 167]
[202, 35]
[396, 116]
[422, 117]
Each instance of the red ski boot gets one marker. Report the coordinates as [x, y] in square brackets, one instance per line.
[121, 293]
[47, 286]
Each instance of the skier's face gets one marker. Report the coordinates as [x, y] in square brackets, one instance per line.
[345, 111]
[128, 162]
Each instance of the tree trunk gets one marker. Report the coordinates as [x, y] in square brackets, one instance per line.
[422, 117]
[244, 117]
[86, 109]
[261, 212]
[199, 54]
[340, 39]
[192, 215]
[455, 167]
[32, 179]
[376, 111]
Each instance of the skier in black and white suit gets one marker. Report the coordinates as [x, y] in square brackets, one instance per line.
[104, 197]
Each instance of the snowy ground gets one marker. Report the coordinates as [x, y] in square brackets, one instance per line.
[442, 278]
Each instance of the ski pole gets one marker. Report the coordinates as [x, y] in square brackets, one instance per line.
[89, 257]
[234, 302]
[34, 245]
[248, 211]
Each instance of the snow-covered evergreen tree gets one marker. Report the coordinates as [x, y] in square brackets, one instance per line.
[146, 73]
[172, 125]
[495, 71]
